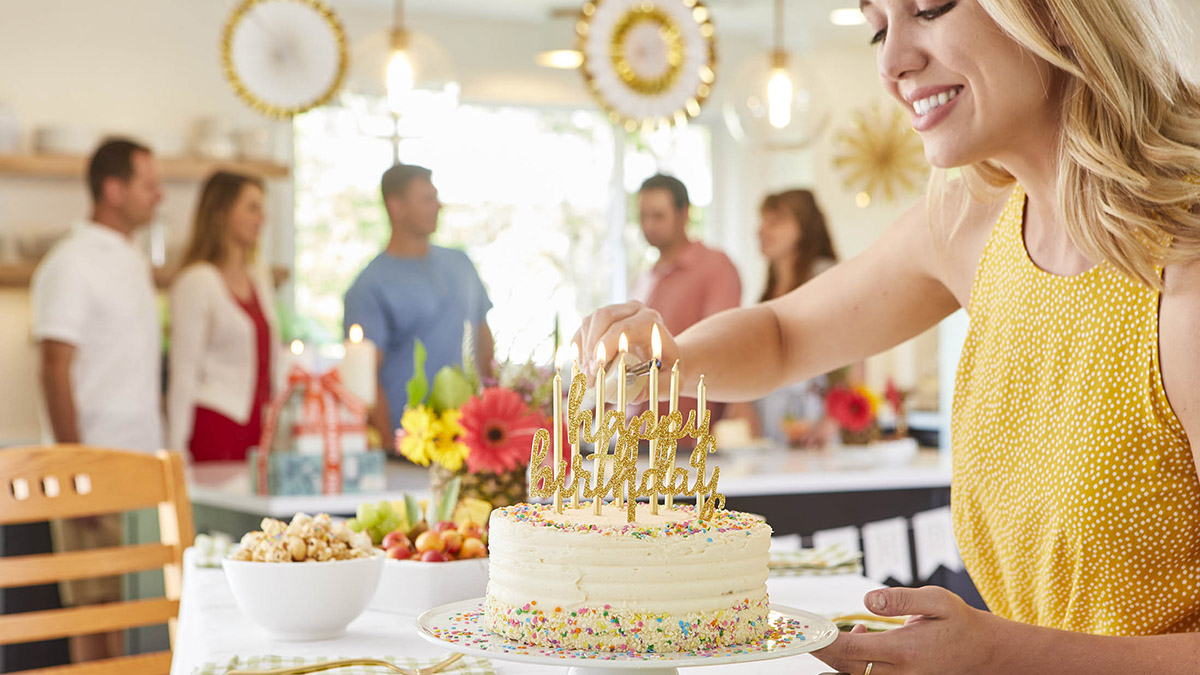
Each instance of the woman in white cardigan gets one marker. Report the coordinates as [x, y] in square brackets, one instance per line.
[223, 328]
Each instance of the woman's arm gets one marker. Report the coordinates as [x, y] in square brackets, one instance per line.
[891, 292]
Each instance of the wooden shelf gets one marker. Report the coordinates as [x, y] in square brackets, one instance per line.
[20, 274]
[172, 168]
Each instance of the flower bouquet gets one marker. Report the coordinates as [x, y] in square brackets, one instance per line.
[855, 408]
[480, 432]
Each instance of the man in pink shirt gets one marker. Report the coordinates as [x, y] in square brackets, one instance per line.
[690, 280]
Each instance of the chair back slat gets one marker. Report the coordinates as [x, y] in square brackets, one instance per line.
[154, 663]
[28, 570]
[69, 481]
[56, 623]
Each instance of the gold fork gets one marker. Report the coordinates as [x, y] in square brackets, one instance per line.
[344, 663]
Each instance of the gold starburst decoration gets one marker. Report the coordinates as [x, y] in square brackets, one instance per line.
[880, 153]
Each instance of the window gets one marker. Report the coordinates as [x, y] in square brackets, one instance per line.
[533, 195]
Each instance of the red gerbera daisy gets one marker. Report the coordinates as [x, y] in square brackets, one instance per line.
[850, 408]
[499, 430]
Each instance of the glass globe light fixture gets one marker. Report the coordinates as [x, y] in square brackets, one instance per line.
[774, 103]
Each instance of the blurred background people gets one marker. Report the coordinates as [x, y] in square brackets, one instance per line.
[223, 326]
[96, 322]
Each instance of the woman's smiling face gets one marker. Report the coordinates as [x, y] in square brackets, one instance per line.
[973, 92]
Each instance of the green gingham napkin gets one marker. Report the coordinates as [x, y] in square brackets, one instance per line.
[211, 549]
[811, 561]
[468, 665]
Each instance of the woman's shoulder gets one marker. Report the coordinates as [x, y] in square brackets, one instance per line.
[196, 276]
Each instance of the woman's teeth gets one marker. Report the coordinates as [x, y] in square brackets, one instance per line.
[924, 105]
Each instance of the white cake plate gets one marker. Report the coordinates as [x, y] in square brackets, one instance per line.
[459, 626]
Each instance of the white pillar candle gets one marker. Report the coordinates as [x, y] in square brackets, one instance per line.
[359, 366]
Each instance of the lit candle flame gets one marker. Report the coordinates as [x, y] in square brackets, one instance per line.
[297, 347]
[575, 352]
[656, 343]
[560, 355]
[623, 344]
[356, 333]
[601, 354]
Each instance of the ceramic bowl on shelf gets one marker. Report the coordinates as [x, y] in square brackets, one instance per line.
[65, 140]
[412, 586]
[303, 601]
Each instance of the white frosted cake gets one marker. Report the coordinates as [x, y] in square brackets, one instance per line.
[664, 583]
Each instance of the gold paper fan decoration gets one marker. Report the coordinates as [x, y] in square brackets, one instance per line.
[880, 153]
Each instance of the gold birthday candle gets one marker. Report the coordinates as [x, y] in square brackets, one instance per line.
[656, 356]
[573, 433]
[556, 429]
[672, 408]
[601, 444]
[665, 434]
[623, 351]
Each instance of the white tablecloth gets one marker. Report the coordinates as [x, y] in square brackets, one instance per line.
[212, 628]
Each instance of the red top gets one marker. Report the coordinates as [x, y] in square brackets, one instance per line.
[215, 437]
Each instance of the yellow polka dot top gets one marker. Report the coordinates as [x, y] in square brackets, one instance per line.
[1075, 497]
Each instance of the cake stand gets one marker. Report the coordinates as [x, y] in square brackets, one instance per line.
[459, 626]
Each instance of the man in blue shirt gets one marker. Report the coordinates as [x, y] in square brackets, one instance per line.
[414, 290]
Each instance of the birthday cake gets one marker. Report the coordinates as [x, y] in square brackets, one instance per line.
[666, 582]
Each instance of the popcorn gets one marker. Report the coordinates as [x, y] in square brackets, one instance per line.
[305, 539]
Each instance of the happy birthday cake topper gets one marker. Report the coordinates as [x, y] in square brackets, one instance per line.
[624, 484]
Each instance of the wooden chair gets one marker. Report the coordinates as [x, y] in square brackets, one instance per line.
[69, 481]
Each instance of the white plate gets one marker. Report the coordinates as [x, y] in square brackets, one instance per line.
[459, 626]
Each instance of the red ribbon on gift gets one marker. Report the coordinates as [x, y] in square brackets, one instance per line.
[323, 396]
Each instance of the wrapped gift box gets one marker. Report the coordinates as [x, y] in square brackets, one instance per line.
[315, 441]
[294, 474]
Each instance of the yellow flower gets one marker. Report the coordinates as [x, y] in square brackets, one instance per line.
[872, 398]
[447, 450]
[421, 427]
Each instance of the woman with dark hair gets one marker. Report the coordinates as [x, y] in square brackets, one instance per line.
[794, 240]
[222, 326]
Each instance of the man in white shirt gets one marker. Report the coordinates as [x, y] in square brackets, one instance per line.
[96, 321]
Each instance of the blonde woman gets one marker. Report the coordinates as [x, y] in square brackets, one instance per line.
[1072, 242]
[223, 330]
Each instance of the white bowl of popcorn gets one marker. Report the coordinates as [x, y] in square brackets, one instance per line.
[306, 580]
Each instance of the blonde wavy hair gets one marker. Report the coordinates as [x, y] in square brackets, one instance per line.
[1129, 151]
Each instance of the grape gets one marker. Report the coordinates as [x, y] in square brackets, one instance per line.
[367, 514]
[355, 525]
[384, 509]
[377, 533]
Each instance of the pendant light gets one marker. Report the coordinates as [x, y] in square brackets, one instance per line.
[774, 104]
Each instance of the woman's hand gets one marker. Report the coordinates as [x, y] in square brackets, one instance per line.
[636, 321]
[942, 635]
